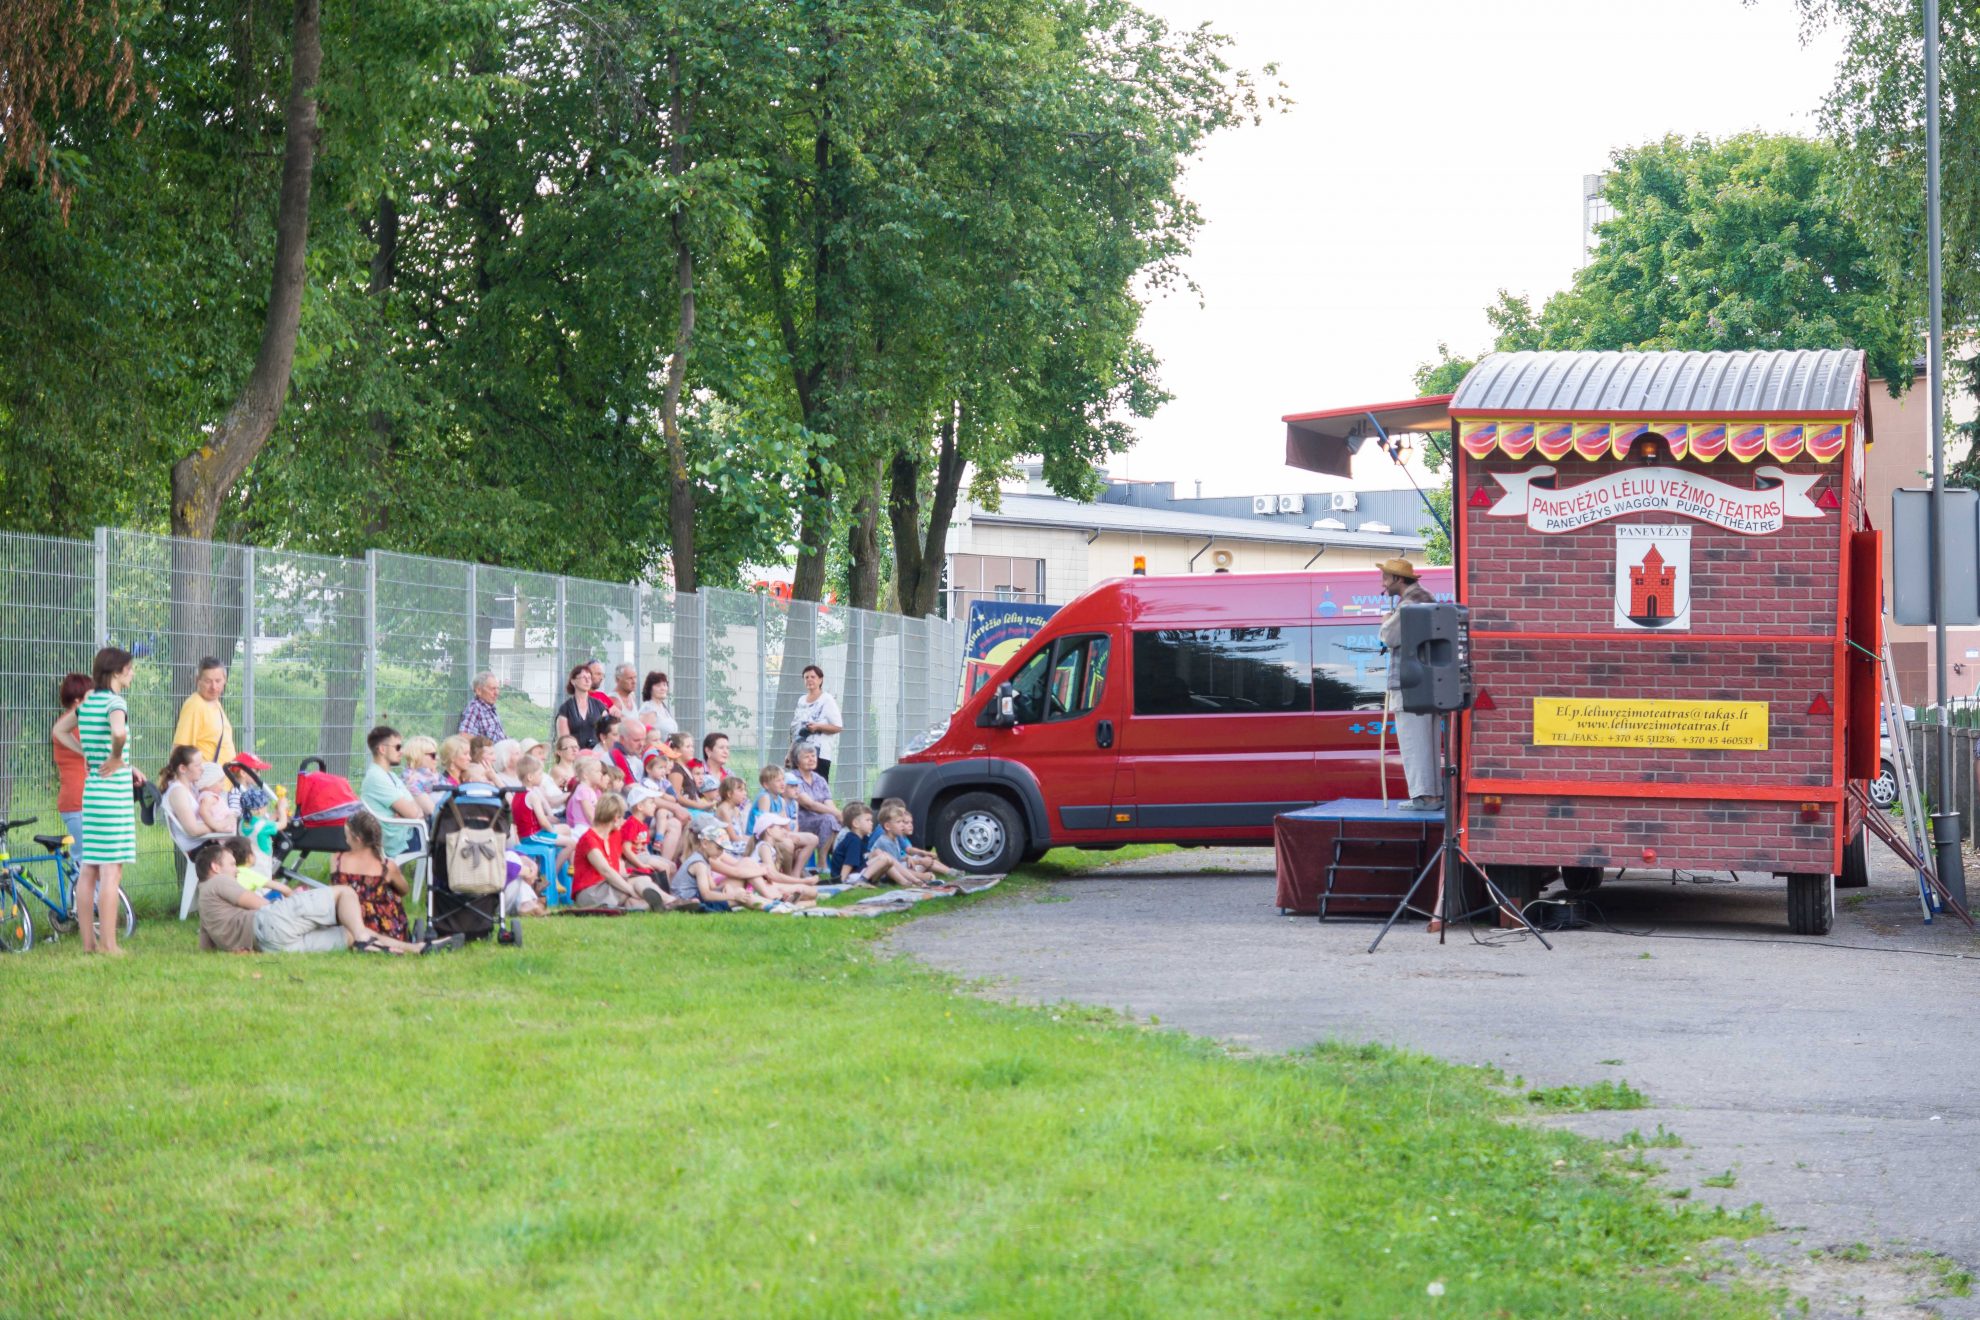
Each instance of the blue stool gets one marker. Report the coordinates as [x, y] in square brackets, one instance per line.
[557, 885]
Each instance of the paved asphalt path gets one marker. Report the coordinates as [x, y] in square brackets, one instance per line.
[1837, 1079]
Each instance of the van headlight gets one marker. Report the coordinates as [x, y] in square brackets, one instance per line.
[927, 738]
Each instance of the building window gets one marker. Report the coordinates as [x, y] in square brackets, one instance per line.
[1222, 671]
[993, 577]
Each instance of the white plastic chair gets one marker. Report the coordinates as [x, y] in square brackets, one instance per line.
[186, 845]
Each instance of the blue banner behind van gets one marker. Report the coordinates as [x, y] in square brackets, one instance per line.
[997, 628]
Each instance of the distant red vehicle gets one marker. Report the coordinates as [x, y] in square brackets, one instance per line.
[1164, 710]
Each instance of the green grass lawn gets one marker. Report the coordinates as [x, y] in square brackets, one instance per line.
[758, 1115]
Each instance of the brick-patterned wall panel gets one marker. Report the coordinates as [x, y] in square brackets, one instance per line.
[1692, 834]
[1787, 676]
[1520, 579]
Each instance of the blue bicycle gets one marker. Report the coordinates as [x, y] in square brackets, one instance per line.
[17, 886]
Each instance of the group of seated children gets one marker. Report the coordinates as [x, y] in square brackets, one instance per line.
[874, 848]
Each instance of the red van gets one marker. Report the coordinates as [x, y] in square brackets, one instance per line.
[1163, 710]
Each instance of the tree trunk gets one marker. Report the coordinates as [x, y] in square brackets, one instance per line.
[680, 492]
[919, 551]
[343, 687]
[201, 480]
[863, 545]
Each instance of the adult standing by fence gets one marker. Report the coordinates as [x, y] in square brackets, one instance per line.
[581, 711]
[203, 722]
[654, 712]
[109, 841]
[625, 680]
[479, 717]
[817, 723]
[71, 768]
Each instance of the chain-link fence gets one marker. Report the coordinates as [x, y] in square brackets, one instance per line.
[320, 649]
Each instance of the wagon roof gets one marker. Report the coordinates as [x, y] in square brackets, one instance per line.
[1826, 382]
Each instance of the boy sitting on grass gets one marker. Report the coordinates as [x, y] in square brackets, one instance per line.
[778, 802]
[892, 858]
[847, 864]
[718, 890]
[596, 880]
[632, 842]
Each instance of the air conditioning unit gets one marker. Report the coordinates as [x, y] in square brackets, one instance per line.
[1261, 504]
[1344, 501]
[1292, 504]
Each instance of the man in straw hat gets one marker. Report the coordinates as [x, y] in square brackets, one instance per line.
[1416, 735]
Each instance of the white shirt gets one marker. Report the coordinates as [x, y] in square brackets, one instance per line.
[825, 710]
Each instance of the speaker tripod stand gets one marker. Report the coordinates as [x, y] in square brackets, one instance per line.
[1449, 864]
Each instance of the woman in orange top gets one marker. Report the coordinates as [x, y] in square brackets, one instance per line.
[71, 770]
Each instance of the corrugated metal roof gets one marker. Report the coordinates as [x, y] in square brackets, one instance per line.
[1051, 511]
[1823, 380]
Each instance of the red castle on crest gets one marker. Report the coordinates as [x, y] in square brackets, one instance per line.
[1651, 585]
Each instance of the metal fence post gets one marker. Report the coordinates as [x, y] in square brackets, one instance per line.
[101, 619]
[639, 638]
[371, 639]
[473, 622]
[763, 676]
[563, 658]
[247, 646]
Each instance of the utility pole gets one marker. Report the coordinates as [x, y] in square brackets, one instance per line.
[1945, 823]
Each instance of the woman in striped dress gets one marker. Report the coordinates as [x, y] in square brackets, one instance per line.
[109, 841]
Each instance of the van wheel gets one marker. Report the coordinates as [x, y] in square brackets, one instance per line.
[1856, 863]
[1811, 903]
[980, 833]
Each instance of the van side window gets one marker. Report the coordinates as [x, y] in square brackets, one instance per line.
[1222, 671]
[1349, 670]
[1063, 681]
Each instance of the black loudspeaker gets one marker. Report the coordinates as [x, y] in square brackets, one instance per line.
[1433, 661]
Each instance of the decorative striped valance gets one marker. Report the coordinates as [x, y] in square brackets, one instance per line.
[1745, 441]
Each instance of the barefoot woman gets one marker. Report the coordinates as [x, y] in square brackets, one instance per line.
[109, 841]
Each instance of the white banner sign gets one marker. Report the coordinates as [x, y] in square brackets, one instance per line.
[1760, 510]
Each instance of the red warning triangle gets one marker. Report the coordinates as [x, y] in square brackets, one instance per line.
[1819, 706]
[1479, 499]
[1827, 501]
[1483, 701]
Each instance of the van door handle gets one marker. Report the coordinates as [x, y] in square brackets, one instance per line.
[1103, 734]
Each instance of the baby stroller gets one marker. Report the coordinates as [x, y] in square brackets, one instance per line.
[324, 802]
[467, 862]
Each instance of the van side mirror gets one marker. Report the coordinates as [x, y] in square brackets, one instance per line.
[1000, 712]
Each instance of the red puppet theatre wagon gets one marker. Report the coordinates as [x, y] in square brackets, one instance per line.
[1674, 611]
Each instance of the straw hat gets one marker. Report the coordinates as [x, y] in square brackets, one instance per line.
[1401, 568]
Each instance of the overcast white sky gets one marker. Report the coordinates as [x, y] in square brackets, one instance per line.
[1435, 155]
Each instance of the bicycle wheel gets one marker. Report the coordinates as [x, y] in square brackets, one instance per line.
[130, 916]
[16, 922]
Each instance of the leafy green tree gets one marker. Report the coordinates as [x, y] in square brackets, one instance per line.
[1876, 114]
[1745, 243]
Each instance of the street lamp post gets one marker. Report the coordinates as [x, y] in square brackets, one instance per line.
[1945, 823]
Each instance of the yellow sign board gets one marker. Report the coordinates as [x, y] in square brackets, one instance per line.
[1605, 722]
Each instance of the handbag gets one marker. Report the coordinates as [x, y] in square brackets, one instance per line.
[477, 860]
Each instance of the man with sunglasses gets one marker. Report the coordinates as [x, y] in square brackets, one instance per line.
[384, 792]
